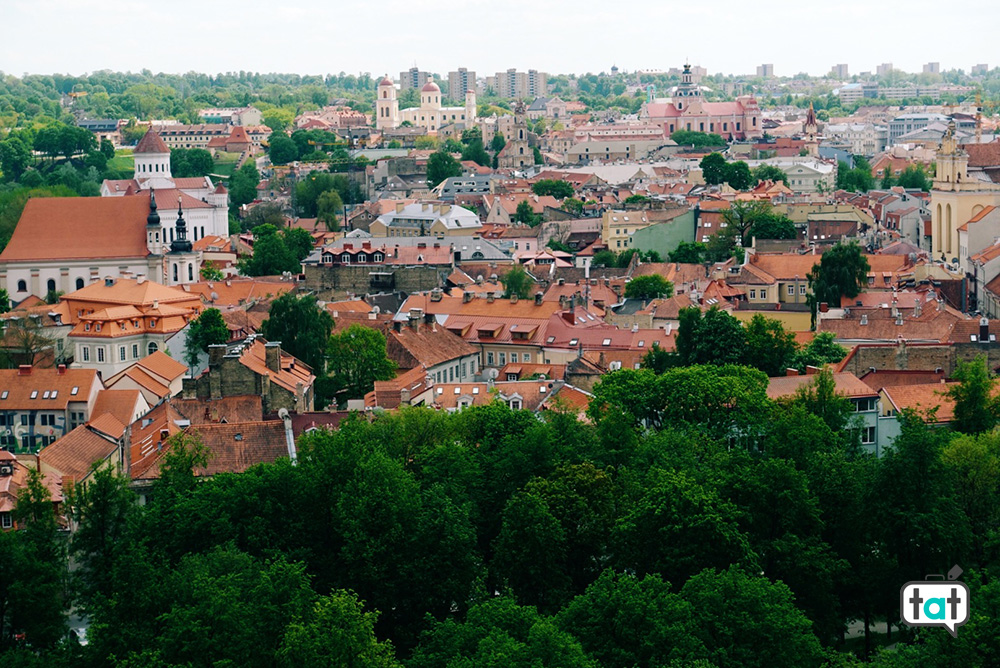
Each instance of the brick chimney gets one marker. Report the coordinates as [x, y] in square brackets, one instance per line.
[538, 299]
[272, 355]
[24, 370]
[61, 370]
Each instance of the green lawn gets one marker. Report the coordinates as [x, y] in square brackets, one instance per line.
[122, 161]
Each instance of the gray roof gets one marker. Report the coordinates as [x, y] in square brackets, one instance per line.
[539, 104]
[478, 184]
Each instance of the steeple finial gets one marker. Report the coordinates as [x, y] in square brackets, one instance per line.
[153, 219]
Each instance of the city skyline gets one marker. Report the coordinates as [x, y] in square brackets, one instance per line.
[306, 39]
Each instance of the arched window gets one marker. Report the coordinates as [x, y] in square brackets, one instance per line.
[151, 348]
[175, 273]
[79, 284]
[190, 272]
[22, 286]
[50, 285]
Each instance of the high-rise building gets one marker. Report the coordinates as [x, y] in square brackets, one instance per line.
[932, 68]
[460, 83]
[840, 71]
[413, 78]
[883, 69]
[766, 70]
[514, 84]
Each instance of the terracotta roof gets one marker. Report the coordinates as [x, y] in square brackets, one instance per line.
[75, 453]
[526, 370]
[238, 291]
[128, 291]
[983, 155]
[931, 325]
[847, 384]
[892, 378]
[151, 143]
[670, 309]
[922, 398]
[108, 425]
[73, 228]
[388, 393]
[144, 380]
[52, 389]
[292, 370]
[11, 485]
[530, 392]
[162, 365]
[120, 404]
[352, 305]
[233, 448]
[235, 409]
[429, 346]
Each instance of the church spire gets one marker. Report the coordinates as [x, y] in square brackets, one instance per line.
[153, 219]
[181, 244]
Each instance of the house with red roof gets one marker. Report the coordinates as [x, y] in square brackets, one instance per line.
[687, 110]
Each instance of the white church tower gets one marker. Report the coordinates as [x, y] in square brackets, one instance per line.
[386, 106]
[152, 162]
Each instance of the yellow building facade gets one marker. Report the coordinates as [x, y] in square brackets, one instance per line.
[955, 198]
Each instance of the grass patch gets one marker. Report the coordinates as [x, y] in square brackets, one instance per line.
[224, 169]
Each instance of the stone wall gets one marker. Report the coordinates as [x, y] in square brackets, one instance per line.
[334, 282]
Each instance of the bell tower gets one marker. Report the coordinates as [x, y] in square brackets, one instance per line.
[154, 230]
[182, 259]
[386, 105]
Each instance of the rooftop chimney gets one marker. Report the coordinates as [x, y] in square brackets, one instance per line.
[489, 297]
[466, 297]
[61, 369]
[24, 370]
[513, 299]
[215, 354]
[538, 299]
[984, 330]
[272, 355]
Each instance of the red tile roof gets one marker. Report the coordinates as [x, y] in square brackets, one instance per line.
[78, 228]
[847, 384]
[74, 454]
[151, 143]
[52, 388]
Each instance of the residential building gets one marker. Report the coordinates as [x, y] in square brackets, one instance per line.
[840, 71]
[861, 138]
[519, 85]
[38, 406]
[13, 480]
[765, 71]
[118, 322]
[687, 110]
[420, 341]
[460, 83]
[864, 400]
[883, 70]
[907, 123]
[932, 68]
[255, 366]
[232, 115]
[425, 219]
[413, 78]
[156, 377]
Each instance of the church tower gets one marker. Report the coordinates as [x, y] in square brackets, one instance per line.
[517, 154]
[386, 106]
[688, 93]
[811, 131]
[955, 198]
[470, 108]
[182, 259]
[154, 230]
[152, 162]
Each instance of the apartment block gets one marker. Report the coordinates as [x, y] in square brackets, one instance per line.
[460, 83]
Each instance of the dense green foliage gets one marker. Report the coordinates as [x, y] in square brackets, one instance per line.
[649, 286]
[555, 187]
[276, 251]
[206, 330]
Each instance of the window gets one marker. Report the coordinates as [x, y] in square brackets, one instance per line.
[24, 419]
[868, 436]
[5, 521]
[100, 354]
[515, 404]
[79, 284]
[489, 359]
[753, 294]
[865, 405]
[791, 290]
[763, 293]
[151, 348]
[135, 351]
[526, 357]
[503, 358]
[22, 286]
[190, 272]
[121, 353]
[50, 285]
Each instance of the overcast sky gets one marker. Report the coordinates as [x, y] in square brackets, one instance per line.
[379, 36]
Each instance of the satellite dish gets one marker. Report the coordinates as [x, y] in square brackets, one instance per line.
[376, 310]
[492, 374]
[214, 296]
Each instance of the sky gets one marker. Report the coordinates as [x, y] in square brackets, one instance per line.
[578, 36]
